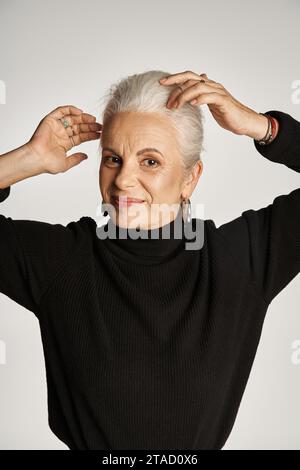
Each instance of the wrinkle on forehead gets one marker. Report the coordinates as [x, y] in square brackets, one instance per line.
[135, 130]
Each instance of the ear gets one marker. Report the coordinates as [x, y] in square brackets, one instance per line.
[192, 179]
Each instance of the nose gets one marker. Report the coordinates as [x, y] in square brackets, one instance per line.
[126, 176]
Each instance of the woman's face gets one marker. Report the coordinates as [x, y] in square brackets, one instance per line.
[153, 176]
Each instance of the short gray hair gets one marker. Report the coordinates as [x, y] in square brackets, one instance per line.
[143, 93]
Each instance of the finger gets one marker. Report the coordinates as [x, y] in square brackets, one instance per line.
[178, 91]
[85, 136]
[62, 111]
[75, 159]
[209, 80]
[210, 98]
[179, 77]
[95, 126]
[69, 131]
[194, 91]
[204, 76]
[83, 118]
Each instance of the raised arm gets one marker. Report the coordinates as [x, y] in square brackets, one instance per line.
[266, 242]
[32, 253]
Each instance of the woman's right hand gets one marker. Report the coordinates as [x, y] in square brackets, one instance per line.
[51, 140]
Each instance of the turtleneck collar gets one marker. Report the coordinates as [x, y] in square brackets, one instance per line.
[147, 246]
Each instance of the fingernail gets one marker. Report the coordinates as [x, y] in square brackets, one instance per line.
[163, 79]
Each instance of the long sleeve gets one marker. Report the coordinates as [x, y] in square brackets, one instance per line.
[32, 253]
[267, 241]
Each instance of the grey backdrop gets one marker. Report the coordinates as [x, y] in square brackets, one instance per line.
[55, 53]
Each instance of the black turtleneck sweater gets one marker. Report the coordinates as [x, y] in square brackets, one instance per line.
[149, 345]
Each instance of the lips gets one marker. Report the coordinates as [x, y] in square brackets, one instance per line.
[126, 201]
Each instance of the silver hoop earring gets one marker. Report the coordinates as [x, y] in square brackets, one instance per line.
[186, 210]
[104, 212]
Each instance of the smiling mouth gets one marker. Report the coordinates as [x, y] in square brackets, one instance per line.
[126, 201]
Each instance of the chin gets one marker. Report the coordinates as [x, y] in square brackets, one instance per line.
[131, 219]
[140, 216]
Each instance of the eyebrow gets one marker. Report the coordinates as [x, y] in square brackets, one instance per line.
[146, 149]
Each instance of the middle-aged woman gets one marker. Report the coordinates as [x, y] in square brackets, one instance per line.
[148, 343]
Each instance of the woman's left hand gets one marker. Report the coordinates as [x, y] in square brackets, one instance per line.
[226, 110]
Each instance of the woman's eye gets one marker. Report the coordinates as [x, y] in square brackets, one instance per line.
[107, 159]
[151, 160]
[113, 159]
